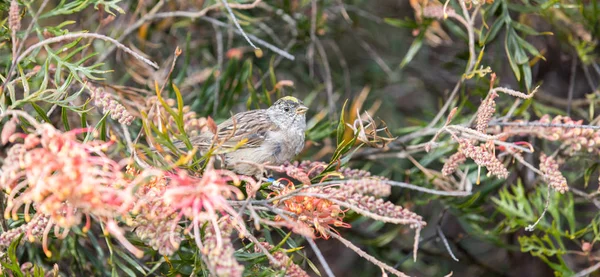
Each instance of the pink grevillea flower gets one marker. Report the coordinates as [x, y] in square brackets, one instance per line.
[199, 199]
[63, 179]
[319, 213]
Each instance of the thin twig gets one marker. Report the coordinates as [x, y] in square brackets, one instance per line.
[251, 37]
[471, 35]
[595, 201]
[343, 65]
[587, 271]
[364, 254]
[85, 35]
[134, 27]
[310, 50]
[430, 191]
[219, 38]
[572, 83]
[237, 24]
[343, 181]
[531, 227]
[588, 77]
[23, 114]
[380, 61]
[22, 44]
[317, 252]
[265, 251]
[543, 125]
[328, 79]
[292, 24]
[446, 244]
[468, 23]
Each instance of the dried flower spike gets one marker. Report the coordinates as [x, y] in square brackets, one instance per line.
[109, 105]
[484, 158]
[218, 250]
[14, 20]
[485, 112]
[453, 162]
[552, 175]
[285, 263]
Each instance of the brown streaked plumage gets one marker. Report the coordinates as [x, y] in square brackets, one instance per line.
[274, 136]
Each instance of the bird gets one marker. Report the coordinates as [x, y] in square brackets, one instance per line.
[253, 138]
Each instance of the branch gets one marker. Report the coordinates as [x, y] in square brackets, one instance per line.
[85, 35]
[364, 254]
[324, 263]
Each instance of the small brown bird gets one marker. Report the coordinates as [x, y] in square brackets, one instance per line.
[252, 138]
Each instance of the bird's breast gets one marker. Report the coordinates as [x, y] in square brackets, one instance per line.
[284, 147]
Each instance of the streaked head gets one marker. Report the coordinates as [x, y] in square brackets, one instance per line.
[288, 112]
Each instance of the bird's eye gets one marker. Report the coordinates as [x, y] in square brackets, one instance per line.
[286, 109]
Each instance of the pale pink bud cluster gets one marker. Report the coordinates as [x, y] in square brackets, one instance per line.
[451, 165]
[313, 169]
[485, 112]
[285, 263]
[33, 231]
[439, 12]
[386, 209]
[294, 172]
[218, 250]
[14, 19]
[552, 175]
[368, 186]
[575, 139]
[29, 269]
[109, 105]
[8, 130]
[483, 157]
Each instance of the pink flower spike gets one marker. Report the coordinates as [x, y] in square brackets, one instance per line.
[117, 233]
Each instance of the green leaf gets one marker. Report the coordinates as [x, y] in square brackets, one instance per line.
[509, 55]
[65, 119]
[131, 261]
[530, 48]
[539, 247]
[525, 29]
[408, 23]
[13, 263]
[588, 173]
[492, 33]
[40, 112]
[341, 125]
[414, 48]
[527, 75]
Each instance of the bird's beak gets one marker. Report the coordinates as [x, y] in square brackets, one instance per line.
[301, 110]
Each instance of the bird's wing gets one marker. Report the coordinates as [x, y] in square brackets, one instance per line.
[249, 127]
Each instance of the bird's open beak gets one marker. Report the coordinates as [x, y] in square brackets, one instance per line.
[301, 110]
